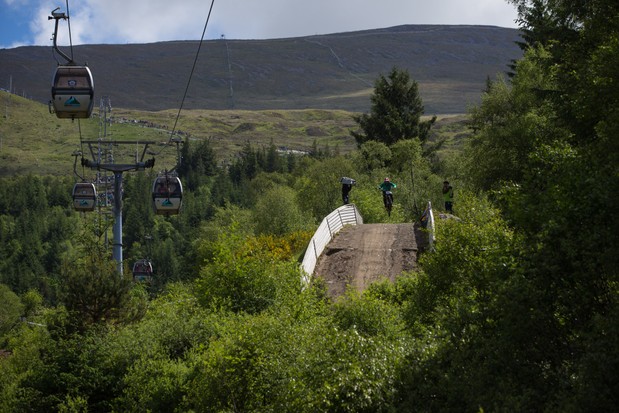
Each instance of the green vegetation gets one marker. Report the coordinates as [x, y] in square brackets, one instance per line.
[395, 113]
[34, 141]
[514, 310]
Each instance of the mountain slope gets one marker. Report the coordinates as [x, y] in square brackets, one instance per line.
[337, 71]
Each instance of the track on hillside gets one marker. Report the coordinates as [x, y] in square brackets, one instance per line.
[362, 254]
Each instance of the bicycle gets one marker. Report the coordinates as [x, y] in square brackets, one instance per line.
[386, 187]
[388, 201]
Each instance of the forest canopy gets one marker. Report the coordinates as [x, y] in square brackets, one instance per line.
[515, 309]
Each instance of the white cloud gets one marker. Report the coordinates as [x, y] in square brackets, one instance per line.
[142, 21]
[41, 27]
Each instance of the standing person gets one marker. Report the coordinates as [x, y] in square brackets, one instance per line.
[347, 184]
[386, 187]
[448, 197]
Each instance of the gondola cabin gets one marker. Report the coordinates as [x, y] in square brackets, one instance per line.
[73, 92]
[142, 271]
[84, 196]
[167, 195]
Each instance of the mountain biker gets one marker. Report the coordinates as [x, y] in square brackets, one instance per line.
[386, 187]
[347, 184]
[448, 196]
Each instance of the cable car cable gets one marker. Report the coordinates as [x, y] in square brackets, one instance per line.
[79, 128]
[193, 68]
[72, 85]
[69, 25]
[79, 125]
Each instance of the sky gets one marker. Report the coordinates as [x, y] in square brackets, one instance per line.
[26, 23]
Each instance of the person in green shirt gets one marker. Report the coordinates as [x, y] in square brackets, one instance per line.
[448, 196]
[386, 187]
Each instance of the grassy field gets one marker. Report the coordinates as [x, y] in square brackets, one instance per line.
[34, 141]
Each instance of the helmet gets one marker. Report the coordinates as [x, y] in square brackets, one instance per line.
[386, 179]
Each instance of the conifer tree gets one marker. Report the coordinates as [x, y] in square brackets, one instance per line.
[395, 113]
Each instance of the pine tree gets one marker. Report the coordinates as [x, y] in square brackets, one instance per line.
[395, 113]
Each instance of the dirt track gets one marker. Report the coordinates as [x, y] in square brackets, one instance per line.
[360, 255]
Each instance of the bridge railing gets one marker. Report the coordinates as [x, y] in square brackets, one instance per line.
[330, 225]
[427, 220]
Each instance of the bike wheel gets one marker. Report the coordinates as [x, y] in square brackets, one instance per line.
[389, 205]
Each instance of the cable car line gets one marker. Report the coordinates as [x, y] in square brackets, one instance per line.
[79, 125]
[193, 68]
[69, 25]
[79, 128]
[73, 98]
[72, 84]
[167, 190]
[77, 154]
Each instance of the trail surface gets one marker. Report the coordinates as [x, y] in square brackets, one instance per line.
[362, 254]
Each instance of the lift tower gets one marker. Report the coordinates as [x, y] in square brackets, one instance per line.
[117, 170]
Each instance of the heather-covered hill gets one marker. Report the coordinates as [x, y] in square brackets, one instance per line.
[336, 71]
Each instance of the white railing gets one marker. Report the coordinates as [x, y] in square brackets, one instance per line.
[330, 225]
[427, 220]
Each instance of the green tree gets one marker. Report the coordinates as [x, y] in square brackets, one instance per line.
[241, 276]
[419, 185]
[509, 123]
[138, 217]
[372, 156]
[224, 191]
[395, 113]
[273, 161]
[11, 308]
[556, 188]
[245, 167]
[93, 291]
[150, 358]
[319, 187]
[198, 163]
[540, 23]
[274, 362]
[34, 232]
[277, 212]
[480, 313]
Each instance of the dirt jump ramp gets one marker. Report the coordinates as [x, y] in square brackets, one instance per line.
[362, 254]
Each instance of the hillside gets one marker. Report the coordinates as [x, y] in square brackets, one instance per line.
[34, 141]
[336, 71]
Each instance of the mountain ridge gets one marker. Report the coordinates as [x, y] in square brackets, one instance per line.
[451, 64]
